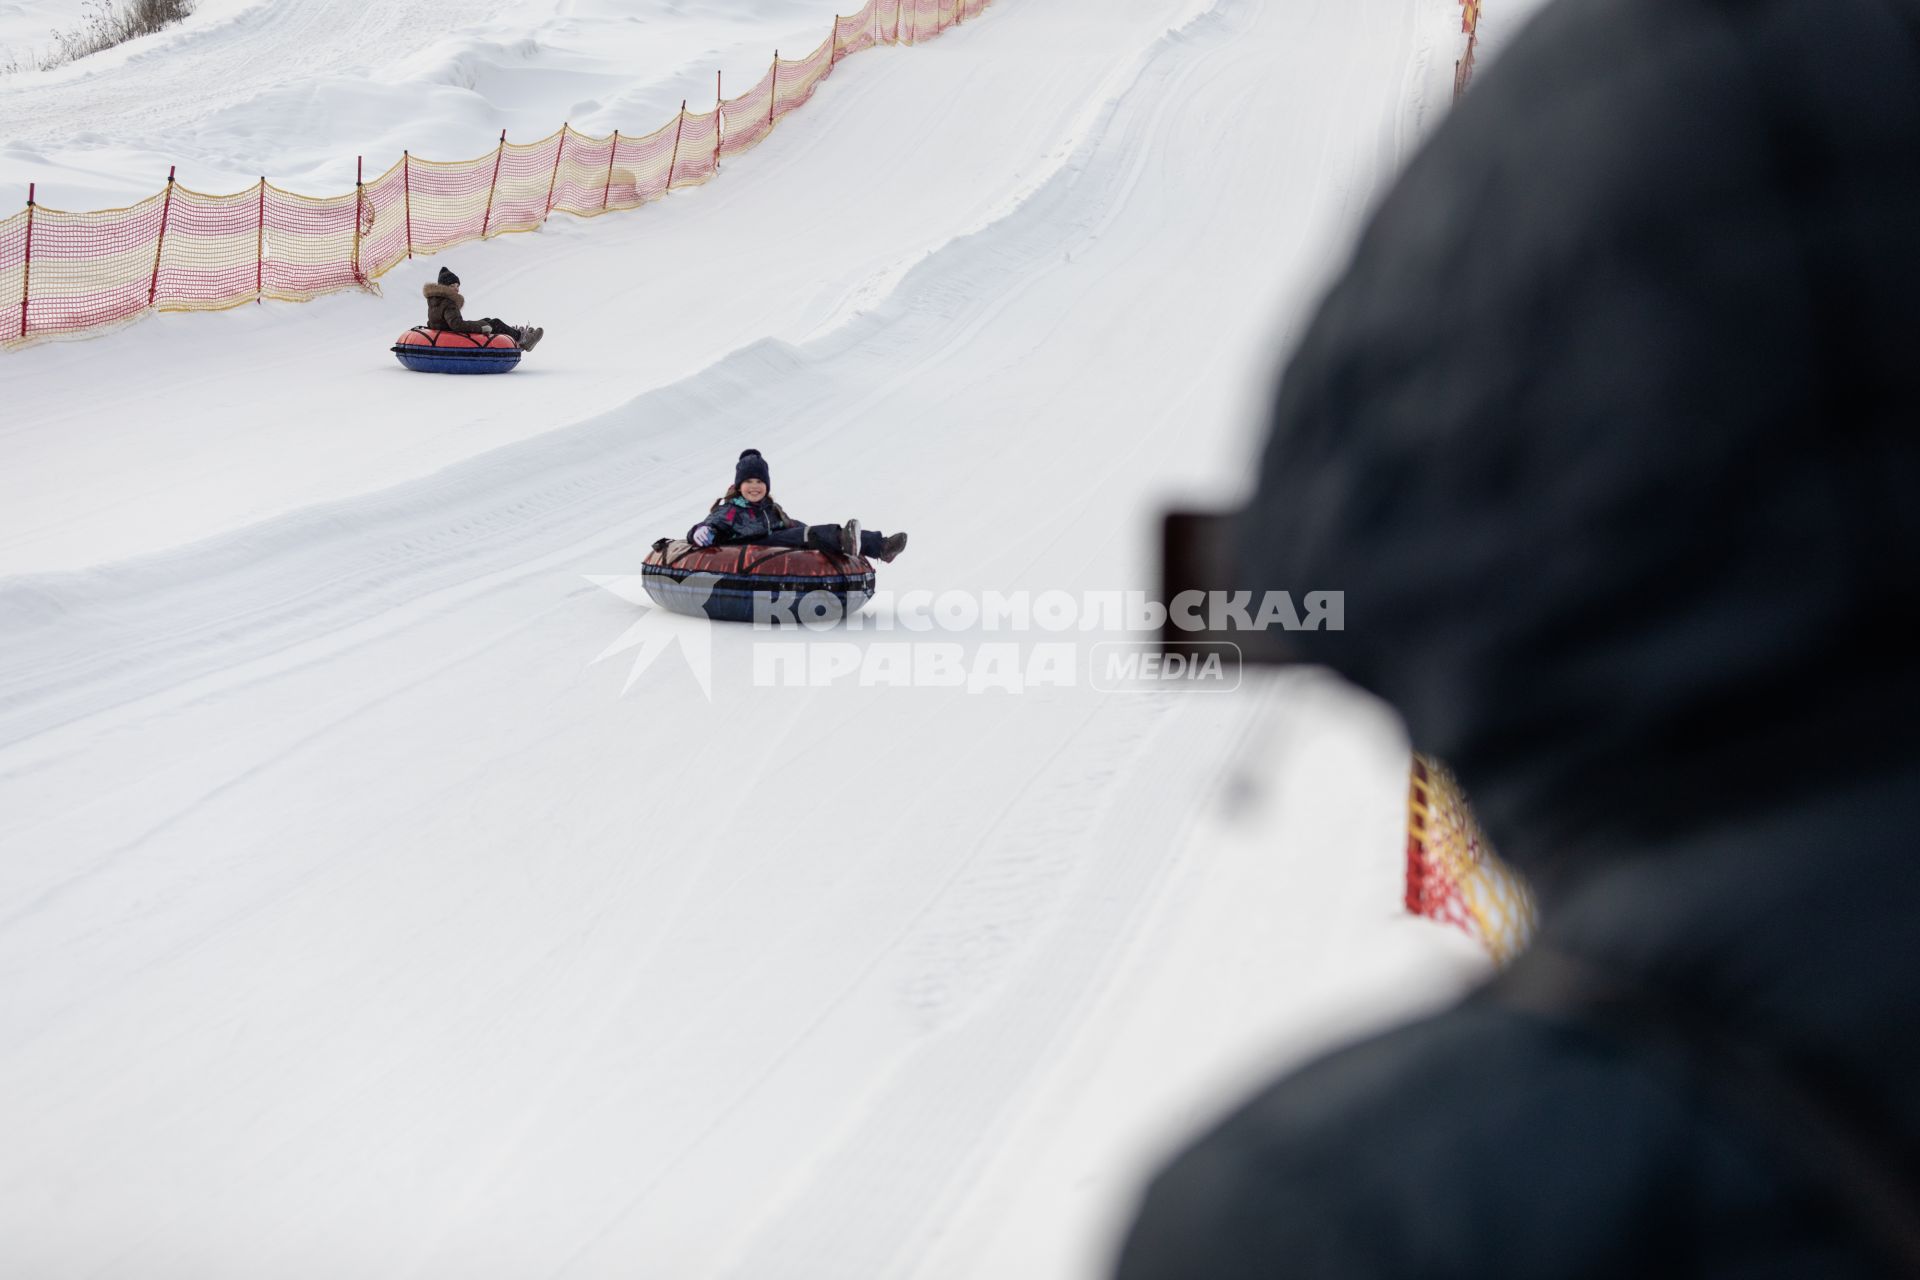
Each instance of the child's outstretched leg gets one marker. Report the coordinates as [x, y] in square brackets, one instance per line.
[528, 336]
[839, 538]
[824, 537]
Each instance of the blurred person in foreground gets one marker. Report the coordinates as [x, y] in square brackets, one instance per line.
[1611, 435]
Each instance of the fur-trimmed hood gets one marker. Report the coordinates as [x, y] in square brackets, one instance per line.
[430, 291]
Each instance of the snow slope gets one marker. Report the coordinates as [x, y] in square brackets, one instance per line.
[299, 90]
[795, 239]
[352, 922]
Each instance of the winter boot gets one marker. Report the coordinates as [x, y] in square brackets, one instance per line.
[895, 543]
[530, 336]
[850, 538]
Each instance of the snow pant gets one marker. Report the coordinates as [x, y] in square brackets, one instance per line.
[827, 538]
[501, 326]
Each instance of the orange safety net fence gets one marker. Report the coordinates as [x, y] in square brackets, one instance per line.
[1470, 27]
[67, 273]
[1453, 874]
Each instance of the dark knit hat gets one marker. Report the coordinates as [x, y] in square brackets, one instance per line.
[751, 467]
[447, 277]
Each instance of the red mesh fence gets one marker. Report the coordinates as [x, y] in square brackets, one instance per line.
[88, 270]
[13, 274]
[447, 200]
[1453, 874]
[800, 77]
[916, 20]
[203, 260]
[383, 221]
[697, 157]
[1470, 26]
[521, 186]
[184, 250]
[309, 245]
[749, 118]
[647, 168]
[583, 181]
[853, 35]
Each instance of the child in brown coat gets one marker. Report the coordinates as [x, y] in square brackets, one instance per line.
[443, 312]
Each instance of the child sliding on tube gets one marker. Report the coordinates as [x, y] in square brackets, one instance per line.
[748, 513]
[443, 312]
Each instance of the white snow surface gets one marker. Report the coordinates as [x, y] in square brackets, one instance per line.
[355, 921]
[299, 88]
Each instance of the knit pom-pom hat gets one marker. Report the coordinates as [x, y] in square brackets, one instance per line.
[751, 467]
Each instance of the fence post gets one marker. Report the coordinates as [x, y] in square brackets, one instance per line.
[564, 126]
[773, 99]
[719, 119]
[897, 6]
[406, 191]
[613, 151]
[675, 158]
[260, 244]
[26, 268]
[833, 50]
[359, 207]
[486, 219]
[166, 209]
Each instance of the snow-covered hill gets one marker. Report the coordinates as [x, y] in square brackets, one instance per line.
[354, 922]
[295, 91]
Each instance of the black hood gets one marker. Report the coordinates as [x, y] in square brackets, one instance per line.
[1618, 462]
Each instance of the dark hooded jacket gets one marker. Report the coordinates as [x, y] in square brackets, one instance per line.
[737, 520]
[443, 309]
[1610, 434]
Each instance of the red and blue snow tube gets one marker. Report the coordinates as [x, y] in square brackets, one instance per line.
[425, 350]
[756, 581]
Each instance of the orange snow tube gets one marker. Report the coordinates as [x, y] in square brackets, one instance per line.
[425, 350]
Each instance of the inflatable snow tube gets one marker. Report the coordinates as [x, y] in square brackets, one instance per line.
[756, 581]
[425, 350]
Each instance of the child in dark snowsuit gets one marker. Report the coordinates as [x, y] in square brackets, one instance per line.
[748, 513]
[443, 312]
